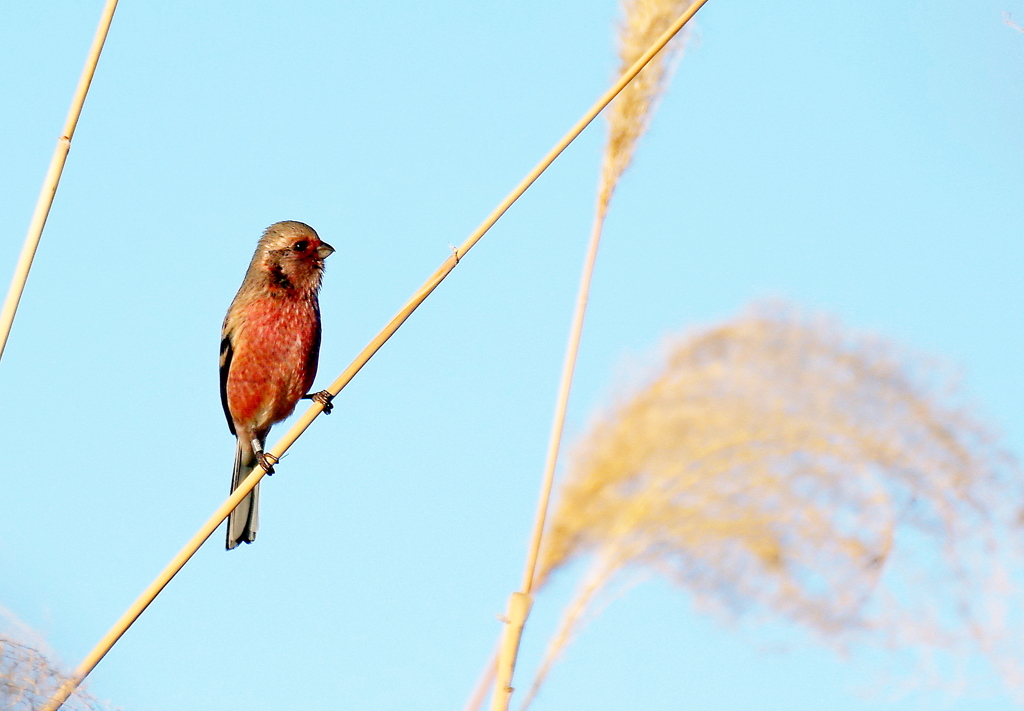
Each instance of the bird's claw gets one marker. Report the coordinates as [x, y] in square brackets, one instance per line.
[267, 461]
[323, 397]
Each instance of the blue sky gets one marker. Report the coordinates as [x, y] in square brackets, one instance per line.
[863, 159]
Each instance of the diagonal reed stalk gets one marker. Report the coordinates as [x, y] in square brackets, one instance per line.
[52, 179]
[647, 23]
[183, 556]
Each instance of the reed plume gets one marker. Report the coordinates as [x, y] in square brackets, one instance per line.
[782, 467]
[630, 114]
[28, 678]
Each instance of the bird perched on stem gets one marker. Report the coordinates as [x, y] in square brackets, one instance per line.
[270, 344]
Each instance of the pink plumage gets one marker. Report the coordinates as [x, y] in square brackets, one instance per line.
[270, 344]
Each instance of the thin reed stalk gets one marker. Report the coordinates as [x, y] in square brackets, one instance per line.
[562, 401]
[646, 22]
[572, 618]
[520, 602]
[282, 445]
[484, 683]
[52, 179]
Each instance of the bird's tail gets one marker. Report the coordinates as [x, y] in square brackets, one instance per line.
[245, 519]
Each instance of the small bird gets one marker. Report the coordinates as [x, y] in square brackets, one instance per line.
[270, 344]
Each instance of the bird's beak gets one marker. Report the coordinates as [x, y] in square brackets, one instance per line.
[324, 250]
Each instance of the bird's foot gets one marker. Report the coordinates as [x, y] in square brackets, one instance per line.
[323, 397]
[267, 461]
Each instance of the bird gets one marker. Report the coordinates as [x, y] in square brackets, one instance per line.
[270, 346]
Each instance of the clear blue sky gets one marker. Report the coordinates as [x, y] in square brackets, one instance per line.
[863, 159]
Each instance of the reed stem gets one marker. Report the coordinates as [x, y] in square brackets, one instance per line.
[52, 179]
[513, 631]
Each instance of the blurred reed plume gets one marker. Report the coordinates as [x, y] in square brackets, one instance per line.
[28, 679]
[782, 467]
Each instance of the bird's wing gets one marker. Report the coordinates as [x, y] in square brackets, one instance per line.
[313, 356]
[227, 352]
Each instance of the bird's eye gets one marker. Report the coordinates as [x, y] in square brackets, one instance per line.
[300, 246]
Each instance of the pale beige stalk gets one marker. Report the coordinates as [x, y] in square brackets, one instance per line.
[50, 182]
[645, 22]
[484, 683]
[572, 618]
[148, 595]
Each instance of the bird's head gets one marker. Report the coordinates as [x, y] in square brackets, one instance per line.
[292, 255]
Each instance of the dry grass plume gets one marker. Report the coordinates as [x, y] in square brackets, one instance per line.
[28, 679]
[781, 467]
